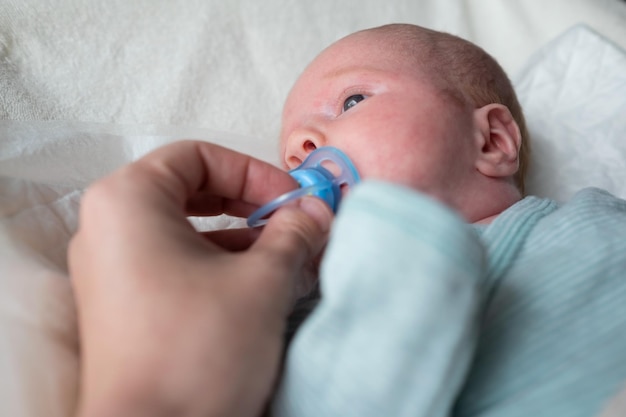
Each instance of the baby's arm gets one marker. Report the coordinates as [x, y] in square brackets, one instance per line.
[396, 327]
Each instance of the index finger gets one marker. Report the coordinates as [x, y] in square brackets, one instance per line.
[185, 169]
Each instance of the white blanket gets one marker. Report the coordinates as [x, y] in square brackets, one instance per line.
[227, 65]
[88, 86]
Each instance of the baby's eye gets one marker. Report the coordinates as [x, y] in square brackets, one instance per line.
[352, 101]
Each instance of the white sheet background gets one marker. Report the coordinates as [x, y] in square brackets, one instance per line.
[227, 65]
[115, 79]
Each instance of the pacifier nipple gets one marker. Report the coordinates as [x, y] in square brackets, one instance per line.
[314, 179]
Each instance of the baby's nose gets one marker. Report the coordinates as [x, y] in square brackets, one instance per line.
[300, 143]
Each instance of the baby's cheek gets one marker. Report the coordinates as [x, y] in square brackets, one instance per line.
[379, 163]
[390, 172]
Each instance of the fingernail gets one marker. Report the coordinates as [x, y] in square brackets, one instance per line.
[318, 210]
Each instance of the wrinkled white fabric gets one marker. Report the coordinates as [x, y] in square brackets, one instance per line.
[573, 92]
[227, 65]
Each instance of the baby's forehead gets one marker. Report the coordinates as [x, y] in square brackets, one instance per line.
[365, 49]
[368, 51]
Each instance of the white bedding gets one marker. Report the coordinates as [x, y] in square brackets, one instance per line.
[88, 86]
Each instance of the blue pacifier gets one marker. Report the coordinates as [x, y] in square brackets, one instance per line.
[316, 180]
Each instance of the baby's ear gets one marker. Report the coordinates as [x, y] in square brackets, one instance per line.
[498, 139]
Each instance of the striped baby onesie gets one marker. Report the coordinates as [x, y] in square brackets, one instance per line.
[424, 315]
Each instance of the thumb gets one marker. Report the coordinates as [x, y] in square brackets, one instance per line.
[296, 233]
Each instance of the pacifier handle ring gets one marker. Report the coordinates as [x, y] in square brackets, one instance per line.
[256, 219]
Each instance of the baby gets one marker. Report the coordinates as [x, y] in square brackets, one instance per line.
[444, 290]
[414, 107]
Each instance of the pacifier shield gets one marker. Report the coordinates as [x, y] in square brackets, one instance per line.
[315, 179]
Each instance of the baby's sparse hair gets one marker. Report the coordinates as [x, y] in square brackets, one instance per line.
[464, 72]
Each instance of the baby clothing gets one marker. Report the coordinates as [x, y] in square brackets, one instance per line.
[424, 315]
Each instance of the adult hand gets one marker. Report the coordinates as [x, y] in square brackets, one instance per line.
[173, 322]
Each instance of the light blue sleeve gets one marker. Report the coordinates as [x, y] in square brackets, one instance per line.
[396, 327]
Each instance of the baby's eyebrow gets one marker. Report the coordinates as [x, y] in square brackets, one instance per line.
[344, 71]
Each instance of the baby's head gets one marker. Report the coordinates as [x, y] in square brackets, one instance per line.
[416, 107]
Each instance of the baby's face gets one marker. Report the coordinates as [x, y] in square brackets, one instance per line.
[369, 100]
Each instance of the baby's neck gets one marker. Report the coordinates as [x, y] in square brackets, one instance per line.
[487, 220]
[485, 207]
